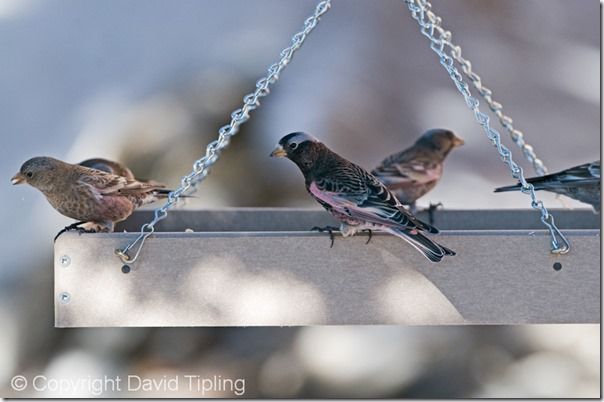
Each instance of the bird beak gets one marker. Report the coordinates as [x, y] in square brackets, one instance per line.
[457, 142]
[17, 179]
[278, 152]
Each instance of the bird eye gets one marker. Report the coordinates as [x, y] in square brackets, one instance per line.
[293, 146]
[29, 174]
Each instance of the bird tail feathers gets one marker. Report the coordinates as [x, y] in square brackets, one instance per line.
[163, 193]
[537, 185]
[430, 249]
[507, 188]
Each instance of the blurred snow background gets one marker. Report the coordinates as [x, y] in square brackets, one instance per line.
[150, 82]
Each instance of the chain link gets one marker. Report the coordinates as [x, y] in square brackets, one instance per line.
[251, 101]
[506, 122]
[497, 108]
[420, 11]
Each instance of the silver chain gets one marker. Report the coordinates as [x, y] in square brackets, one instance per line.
[497, 108]
[251, 101]
[429, 24]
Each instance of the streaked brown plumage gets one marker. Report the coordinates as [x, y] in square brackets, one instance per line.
[119, 169]
[108, 166]
[89, 195]
[413, 172]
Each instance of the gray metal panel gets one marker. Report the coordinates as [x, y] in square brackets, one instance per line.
[294, 278]
[267, 219]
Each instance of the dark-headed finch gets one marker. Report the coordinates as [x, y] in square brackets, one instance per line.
[354, 196]
[91, 196]
[580, 182]
[413, 172]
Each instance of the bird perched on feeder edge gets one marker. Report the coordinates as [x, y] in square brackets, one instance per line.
[354, 196]
[95, 198]
[581, 183]
[413, 172]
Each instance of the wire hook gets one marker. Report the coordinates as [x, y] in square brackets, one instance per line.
[555, 233]
[123, 254]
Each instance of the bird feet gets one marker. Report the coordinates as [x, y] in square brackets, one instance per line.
[328, 229]
[73, 226]
[370, 234]
[82, 230]
[431, 208]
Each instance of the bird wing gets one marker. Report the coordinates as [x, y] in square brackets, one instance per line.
[109, 167]
[408, 168]
[594, 169]
[103, 183]
[109, 184]
[584, 175]
[355, 193]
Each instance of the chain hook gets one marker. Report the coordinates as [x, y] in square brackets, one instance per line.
[560, 244]
[123, 254]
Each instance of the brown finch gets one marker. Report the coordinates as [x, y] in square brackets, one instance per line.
[413, 172]
[93, 197]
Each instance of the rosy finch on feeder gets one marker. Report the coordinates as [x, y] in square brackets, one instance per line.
[355, 197]
[580, 182]
[93, 197]
[413, 172]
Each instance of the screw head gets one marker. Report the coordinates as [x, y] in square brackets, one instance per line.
[126, 269]
[65, 260]
[64, 297]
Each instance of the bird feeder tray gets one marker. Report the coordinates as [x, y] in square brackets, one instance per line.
[263, 267]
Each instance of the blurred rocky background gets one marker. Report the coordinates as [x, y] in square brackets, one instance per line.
[150, 82]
